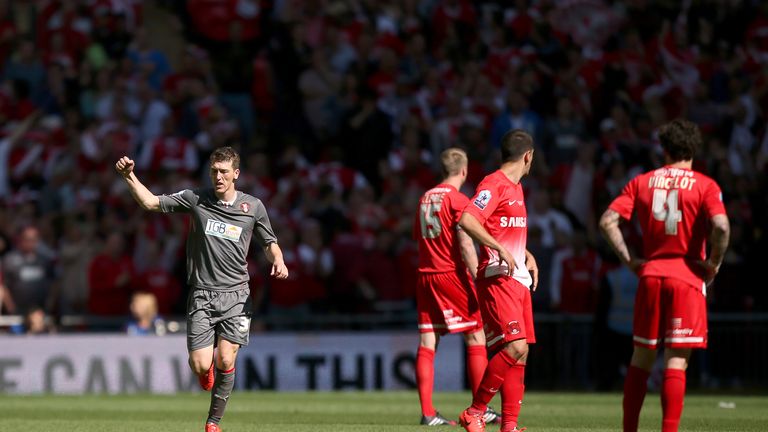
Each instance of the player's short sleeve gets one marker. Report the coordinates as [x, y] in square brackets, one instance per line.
[625, 202]
[181, 201]
[485, 201]
[262, 227]
[712, 200]
[458, 202]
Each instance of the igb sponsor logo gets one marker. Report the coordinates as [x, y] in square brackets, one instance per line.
[223, 230]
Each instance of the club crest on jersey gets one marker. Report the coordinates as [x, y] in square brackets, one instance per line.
[482, 199]
[513, 328]
[245, 207]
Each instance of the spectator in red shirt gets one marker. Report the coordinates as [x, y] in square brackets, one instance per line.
[157, 280]
[110, 278]
[575, 276]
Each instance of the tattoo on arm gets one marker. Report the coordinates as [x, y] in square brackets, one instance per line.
[609, 225]
[721, 232]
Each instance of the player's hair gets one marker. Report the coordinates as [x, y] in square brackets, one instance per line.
[225, 154]
[680, 139]
[514, 144]
[452, 161]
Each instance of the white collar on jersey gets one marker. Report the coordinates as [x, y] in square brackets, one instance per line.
[228, 203]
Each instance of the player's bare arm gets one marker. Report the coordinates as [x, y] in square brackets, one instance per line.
[533, 268]
[146, 199]
[609, 226]
[475, 229]
[275, 256]
[468, 252]
[718, 239]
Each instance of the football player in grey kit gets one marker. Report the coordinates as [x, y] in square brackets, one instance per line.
[219, 304]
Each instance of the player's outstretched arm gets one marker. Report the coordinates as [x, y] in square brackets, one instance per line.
[146, 199]
[609, 226]
[468, 252]
[718, 239]
[275, 256]
[475, 229]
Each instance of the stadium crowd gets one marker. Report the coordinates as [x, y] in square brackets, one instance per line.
[339, 108]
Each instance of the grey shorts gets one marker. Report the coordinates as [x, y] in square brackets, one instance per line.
[212, 314]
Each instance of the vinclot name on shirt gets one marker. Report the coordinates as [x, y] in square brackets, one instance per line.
[672, 178]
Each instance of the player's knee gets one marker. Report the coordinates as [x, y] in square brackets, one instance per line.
[476, 338]
[199, 365]
[429, 340]
[428, 344]
[677, 358]
[226, 361]
[517, 350]
[643, 358]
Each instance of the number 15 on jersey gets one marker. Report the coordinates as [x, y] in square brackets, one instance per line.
[430, 222]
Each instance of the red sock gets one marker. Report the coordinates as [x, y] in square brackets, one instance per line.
[635, 387]
[492, 380]
[477, 361]
[425, 376]
[512, 396]
[672, 395]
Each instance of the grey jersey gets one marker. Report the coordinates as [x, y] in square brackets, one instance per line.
[219, 237]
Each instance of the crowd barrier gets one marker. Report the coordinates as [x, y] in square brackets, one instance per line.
[118, 363]
[311, 353]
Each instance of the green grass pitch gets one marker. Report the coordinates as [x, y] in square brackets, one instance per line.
[387, 411]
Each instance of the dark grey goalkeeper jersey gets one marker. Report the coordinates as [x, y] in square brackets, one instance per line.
[218, 240]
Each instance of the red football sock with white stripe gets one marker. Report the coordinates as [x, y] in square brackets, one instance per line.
[512, 396]
[477, 361]
[672, 396]
[635, 387]
[492, 380]
[425, 376]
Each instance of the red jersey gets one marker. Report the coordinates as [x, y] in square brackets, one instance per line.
[674, 207]
[500, 206]
[435, 228]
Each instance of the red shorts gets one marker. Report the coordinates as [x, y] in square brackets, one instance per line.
[506, 308]
[670, 310]
[446, 303]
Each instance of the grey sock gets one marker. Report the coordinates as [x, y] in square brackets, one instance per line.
[222, 388]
